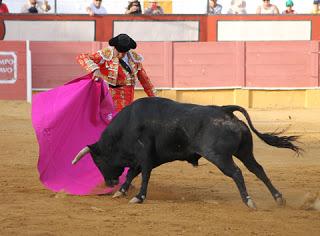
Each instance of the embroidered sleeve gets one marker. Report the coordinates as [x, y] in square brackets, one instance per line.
[137, 58]
[89, 61]
[146, 83]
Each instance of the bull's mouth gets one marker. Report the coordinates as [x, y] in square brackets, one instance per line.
[112, 182]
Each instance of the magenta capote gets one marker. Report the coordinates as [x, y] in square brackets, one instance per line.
[65, 120]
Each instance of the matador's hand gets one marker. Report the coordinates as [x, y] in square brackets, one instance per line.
[155, 92]
[97, 75]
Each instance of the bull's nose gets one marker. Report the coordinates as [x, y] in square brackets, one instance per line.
[112, 182]
[109, 183]
[115, 182]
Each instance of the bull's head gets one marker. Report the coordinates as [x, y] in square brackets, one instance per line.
[110, 171]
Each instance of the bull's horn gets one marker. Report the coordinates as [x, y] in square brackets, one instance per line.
[81, 154]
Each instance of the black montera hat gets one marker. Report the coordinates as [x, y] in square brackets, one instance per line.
[123, 43]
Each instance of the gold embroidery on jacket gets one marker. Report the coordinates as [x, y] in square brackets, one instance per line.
[137, 58]
[112, 65]
[106, 53]
[90, 65]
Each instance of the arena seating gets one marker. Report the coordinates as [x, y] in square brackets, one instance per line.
[178, 6]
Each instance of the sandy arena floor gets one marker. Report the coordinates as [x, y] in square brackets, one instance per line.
[182, 200]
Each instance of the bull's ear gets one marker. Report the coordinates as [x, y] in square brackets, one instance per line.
[94, 148]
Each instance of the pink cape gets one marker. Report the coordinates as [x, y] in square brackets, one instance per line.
[66, 119]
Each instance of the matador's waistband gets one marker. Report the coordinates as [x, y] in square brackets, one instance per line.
[115, 86]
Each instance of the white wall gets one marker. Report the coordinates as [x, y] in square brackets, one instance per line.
[50, 30]
[159, 30]
[264, 30]
[178, 6]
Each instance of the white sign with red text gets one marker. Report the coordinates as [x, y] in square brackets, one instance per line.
[8, 67]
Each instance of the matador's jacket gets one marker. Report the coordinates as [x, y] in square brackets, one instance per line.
[121, 80]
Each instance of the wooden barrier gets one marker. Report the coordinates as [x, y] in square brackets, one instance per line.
[193, 65]
[250, 74]
[54, 63]
[207, 65]
[282, 64]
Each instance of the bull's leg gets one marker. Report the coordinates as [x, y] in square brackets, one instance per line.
[247, 158]
[143, 151]
[229, 168]
[146, 172]
[133, 172]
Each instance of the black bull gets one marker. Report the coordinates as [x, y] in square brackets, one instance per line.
[154, 131]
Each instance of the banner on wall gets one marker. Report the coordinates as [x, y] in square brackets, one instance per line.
[8, 68]
[13, 76]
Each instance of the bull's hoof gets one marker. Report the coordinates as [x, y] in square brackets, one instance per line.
[251, 204]
[118, 194]
[136, 200]
[281, 202]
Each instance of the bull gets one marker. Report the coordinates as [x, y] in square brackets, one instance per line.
[154, 131]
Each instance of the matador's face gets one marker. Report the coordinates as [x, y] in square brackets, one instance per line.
[118, 54]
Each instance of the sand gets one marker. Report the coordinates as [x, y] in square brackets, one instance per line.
[182, 200]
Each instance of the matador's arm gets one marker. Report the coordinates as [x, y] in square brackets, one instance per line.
[146, 83]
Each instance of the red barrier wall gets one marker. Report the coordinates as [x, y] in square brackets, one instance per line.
[18, 89]
[157, 62]
[194, 65]
[54, 63]
[282, 64]
[208, 64]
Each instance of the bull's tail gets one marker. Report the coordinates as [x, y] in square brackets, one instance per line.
[272, 139]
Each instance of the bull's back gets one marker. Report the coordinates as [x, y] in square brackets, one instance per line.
[162, 110]
[158, 115]
[176, 130]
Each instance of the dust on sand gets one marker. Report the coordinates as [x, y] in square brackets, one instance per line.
[182, 200]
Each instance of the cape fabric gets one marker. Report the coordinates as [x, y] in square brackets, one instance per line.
[66, 119]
